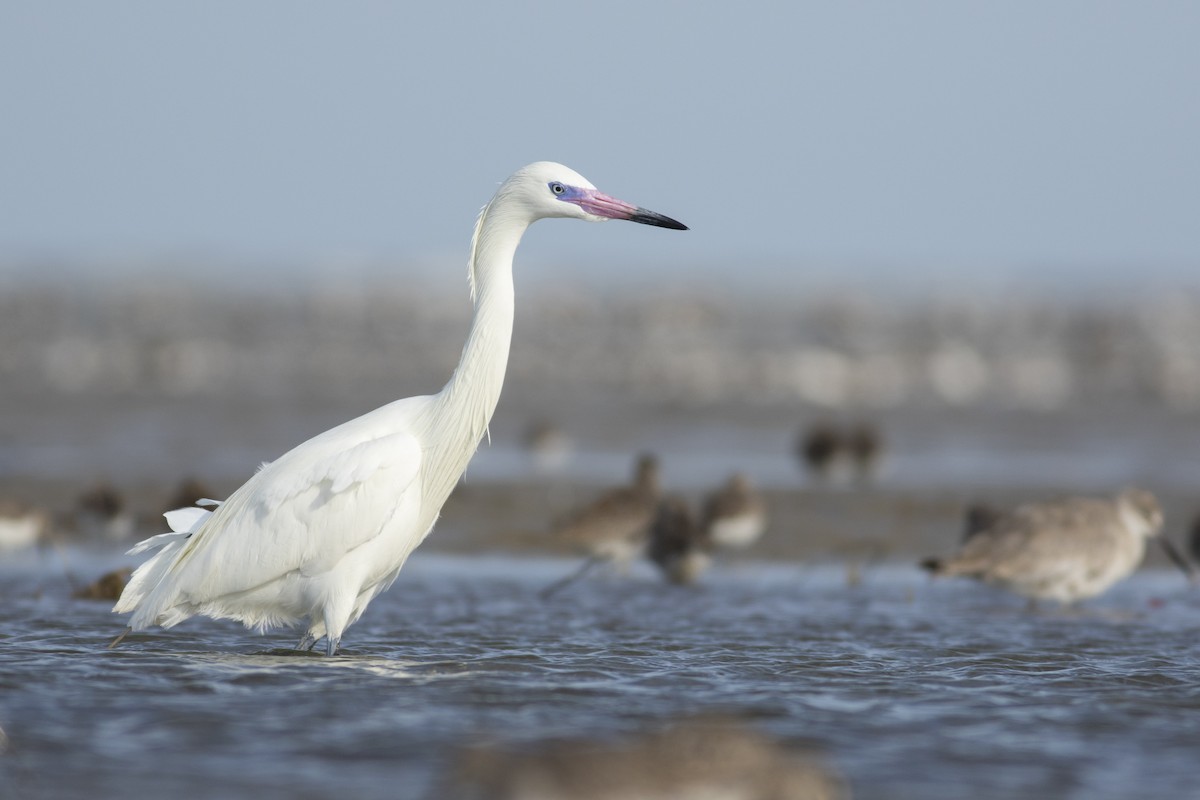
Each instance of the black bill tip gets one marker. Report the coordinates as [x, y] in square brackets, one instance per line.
[657, 220]
[1177, 558]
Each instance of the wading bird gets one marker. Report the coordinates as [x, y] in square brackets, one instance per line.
[318, 533]
[22, 525]
[1065, 550]
[613, 527]
[735, 515]
[680, 547]
[840, 455]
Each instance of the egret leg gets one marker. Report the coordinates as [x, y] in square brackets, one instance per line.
[336, 617]
[562, 583]
[307, 641]
[117, 640]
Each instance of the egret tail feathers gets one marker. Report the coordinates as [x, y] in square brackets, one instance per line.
[183, 523]
[154, 542]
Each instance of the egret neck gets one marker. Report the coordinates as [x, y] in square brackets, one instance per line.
[465, 405]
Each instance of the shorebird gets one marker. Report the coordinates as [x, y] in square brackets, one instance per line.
[735, 515]
[1065, 550]
[614, 527]
[679, 546]
[101, 512]
[840, 454]
[108, 586]
[22, 525]
[819, 447]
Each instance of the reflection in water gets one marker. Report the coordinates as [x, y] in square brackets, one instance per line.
[706, 757]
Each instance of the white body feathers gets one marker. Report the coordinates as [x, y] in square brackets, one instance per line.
[315, 534]
[322, 530]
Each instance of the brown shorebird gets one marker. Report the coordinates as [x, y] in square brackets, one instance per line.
[101, 512]
[679, 546]
[819, 447]
[735, 515]
[107, 587]
[836, 454]
[614, 527]
[1065, 550]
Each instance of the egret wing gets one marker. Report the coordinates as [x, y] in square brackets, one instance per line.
[301, 513]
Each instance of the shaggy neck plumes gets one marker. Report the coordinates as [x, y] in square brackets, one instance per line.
[465, 405]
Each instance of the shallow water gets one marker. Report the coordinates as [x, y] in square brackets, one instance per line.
[910, 689]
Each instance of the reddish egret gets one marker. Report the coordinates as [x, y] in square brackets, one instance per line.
[316, 534]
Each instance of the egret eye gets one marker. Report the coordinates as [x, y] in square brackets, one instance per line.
[557, 188]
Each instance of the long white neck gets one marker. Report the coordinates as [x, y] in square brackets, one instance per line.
[464, 406]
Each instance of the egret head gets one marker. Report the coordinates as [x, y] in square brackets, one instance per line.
[547, 189]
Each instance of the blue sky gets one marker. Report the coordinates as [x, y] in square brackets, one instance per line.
[962, 137]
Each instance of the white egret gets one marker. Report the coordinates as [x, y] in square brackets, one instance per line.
[318, 533]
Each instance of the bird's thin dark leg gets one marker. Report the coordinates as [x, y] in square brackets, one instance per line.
[117, 640]
[332, 645]
[307, 642]
[562, 583]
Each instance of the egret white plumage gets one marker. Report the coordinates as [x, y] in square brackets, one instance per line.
[321, 531]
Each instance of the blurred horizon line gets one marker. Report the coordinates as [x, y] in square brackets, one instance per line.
[748, 278]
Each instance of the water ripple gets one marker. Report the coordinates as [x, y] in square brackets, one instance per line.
[912, 691]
